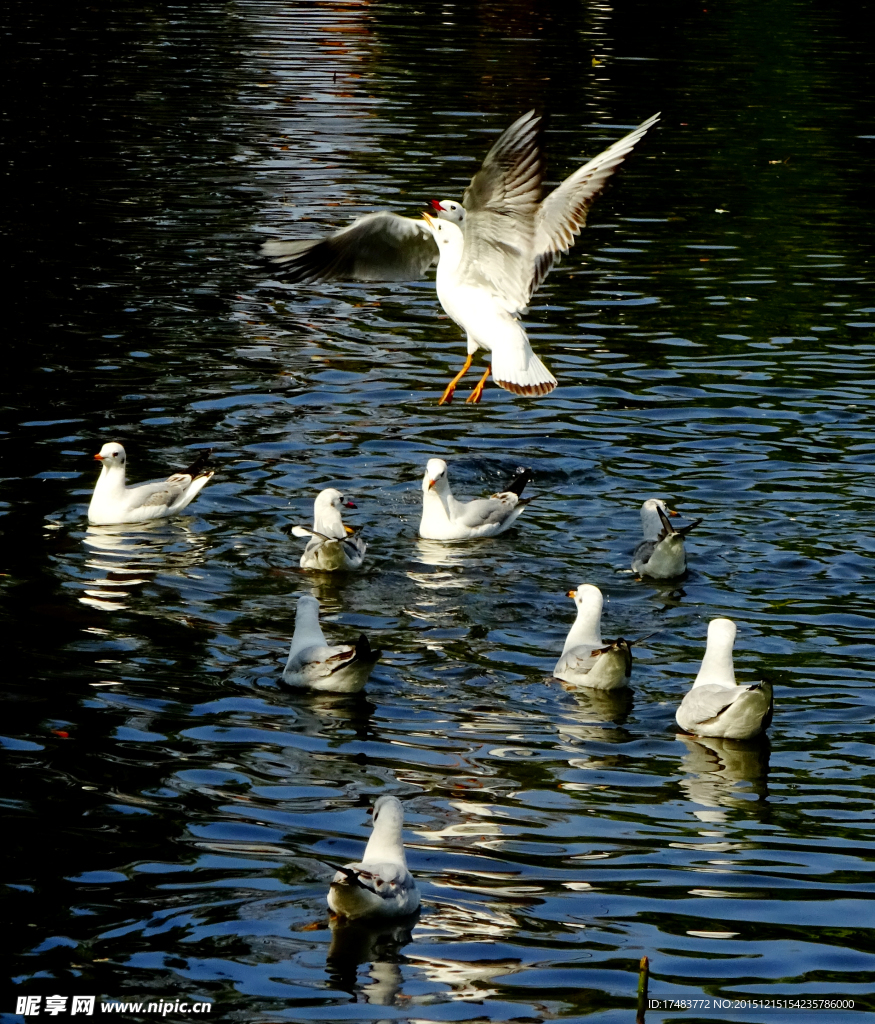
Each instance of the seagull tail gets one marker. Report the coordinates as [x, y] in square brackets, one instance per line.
[199, 466]
[522, 376]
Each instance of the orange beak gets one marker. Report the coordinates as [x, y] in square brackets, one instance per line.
[99, 457]
[672, 512]
[571, 593]
[427, 217]
[430, 484]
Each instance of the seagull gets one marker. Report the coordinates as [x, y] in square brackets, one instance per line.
[380, 246]
[332, 545]
[586, 660]
[661, 553]
[113, 502]
[312, 663]
[445, 518]
[716, 705]
[495, 248]
[490, 265]
[380, 884]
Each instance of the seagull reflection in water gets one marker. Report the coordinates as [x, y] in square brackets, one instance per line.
[129, 555]
[726, 773]
[377, 943]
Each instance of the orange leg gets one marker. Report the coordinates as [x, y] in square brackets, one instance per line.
[478, 391]
[447, 396]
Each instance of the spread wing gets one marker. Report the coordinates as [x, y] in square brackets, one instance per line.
[377, 247]
[562, 214]
[500, 207]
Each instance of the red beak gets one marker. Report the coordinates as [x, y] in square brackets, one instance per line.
[435, 205]
[349, 504]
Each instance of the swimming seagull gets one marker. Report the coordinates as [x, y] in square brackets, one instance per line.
[445, 518]
[490, 265]
[716, 705]
[661, 553]
[332, 545]
[379, 885]
[586, 660]
[113, 502]
[312, 663]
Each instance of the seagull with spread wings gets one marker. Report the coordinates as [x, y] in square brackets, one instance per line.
[493, 250]
[490, 265]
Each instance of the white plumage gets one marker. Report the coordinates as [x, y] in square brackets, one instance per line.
[493, 260]
[586, 660]
[445, 518]
[315, 665]
[113, 502]
[379, 885]
[661, 554]
[332, 545]
[716, 705]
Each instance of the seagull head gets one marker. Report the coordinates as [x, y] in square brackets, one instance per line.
[449, 210]
[111, 455]
[331, 498]
[435, 476]
[651, 521]
[445, 233]
[588, 600]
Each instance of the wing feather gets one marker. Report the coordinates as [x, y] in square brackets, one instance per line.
[562, 215]
[500, 207]
[377, 247]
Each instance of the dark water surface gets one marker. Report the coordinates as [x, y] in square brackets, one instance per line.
[174, 815]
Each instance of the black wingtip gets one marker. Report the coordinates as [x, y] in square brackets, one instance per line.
[684, 530]
[364, 651]
[517, 485]
[199, 466]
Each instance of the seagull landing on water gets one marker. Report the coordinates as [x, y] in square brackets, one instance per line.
[332, 545]
[586, 660]
[113, 502]
[661, 554]
[379, 885]
[491, 263]
[716, 705]
[313, 664]
[445, 518]
[495, 248]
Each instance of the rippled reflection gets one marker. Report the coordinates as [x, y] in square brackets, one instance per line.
[725, 773]
[378, 944]
[128, 556]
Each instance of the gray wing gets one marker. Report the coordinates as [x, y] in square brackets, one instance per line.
[704, 703]
[377, 247]
[500, 207]
[385, 879]
[578, 659]
[486, 511]
[562, 214]
[643, 552]
[158, 493]
[319, 662]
